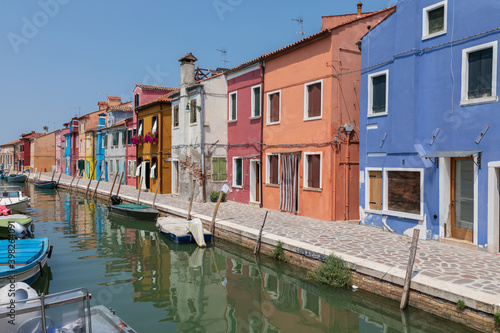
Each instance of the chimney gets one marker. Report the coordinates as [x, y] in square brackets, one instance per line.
[360, 6]
[187, 69]
[114, 101]
[102, 105]
[45, 129]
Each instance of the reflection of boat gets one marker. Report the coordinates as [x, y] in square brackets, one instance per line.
[45, 184]
[20, 178]
[13, 198]
[182, 231]
[22, 260]
[137, 212]
[22, 219]
[131, 224]
[67, 311]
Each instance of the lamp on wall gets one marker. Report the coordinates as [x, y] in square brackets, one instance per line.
[187, 107]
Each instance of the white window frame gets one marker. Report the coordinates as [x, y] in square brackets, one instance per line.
[268, 168]
[234, 172]
[178, 116]
[465, 75]
[306, 171]
[385, 194]
[425, 20]
[367, 189]
[268, 111]
[252, 114]
[370, 94]
[197, 116]
[230, 113]
[306, 101]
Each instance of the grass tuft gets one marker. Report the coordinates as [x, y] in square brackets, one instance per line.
[333, 272]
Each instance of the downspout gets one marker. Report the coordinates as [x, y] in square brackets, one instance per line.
[334, 146]
[159, 159]
[262, 180]
[202, 120]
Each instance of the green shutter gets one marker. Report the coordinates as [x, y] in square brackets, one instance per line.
[239, 171]
[256, 102]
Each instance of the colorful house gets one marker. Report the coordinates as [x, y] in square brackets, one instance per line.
[429, 156]
[71, 147]
[24, 152]
[8, 155]
[154, 146]
[114, 151]
[131, 149]
[244, 133]
[199, 131]
[60, 144]
[44, 152]
[99, 148]
[310, 120]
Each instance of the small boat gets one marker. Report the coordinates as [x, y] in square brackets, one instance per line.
[132, 211]
[67, 311]
[45, 184]
[27, 258]
[182, 231]
[13, 198]
[20, 178]
[24, 220]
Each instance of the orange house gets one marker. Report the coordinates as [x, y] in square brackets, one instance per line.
[311, 115]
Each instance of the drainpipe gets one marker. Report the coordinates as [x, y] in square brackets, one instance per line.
[262, 181]
[202, 120]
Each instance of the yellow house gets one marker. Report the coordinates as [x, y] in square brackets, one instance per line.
[154, 124]
[90, 154]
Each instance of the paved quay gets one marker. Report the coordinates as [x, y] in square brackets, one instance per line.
[441, 270]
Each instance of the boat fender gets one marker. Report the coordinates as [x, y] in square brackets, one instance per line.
[40, 266]
[32, 227]
[49, 253]
[20, 231]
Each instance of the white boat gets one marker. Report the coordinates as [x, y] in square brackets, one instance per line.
[13, 198]
[180, 230]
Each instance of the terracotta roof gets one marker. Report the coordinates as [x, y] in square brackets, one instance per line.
[162, 99]
[157, 88]
[11, 143]
[118, 124]
[188, 58]
[121, 108]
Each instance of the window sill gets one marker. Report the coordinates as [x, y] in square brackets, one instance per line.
[312, 189]
[232, 121]
[237, 186]
[193, 124]
[175, 127]
[254, 117]
[439, 33]
[489, 99]
[275, 123]
[396, 214]
[378, 114]
[272, 185]
[313, 118]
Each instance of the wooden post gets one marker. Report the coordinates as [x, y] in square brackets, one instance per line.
[77, 181]
[59, 178]
[191, 201]
[90, 180]
[120, 184]
[112, 187]
[409, 270]
[72, 181]
[53, 173]
[257, 244]
[212, 226]
[139, 195]
[95, 191]
[40, 174]
[156, 192]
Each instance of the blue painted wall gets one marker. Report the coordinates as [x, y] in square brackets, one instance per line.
[67, 153]
[424, 94]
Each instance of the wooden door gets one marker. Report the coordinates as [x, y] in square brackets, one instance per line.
[257, 181]
[462, 198]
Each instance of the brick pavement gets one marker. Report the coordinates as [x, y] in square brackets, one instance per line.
[441, 270]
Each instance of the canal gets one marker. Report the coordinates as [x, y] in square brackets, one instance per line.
[157, 286]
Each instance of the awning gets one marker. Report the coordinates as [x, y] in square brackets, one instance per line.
[453, 153]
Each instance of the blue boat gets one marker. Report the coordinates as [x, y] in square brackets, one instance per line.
[22, 260]
[20, 178]
[45, 184]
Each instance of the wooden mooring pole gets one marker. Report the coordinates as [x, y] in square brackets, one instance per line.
[257, 244]
[77, 181]
[191, 201]
[112, 187]
[120, 184]
[72, 181]
[58, 179]
[98, 182]
[139, 194]
[409, 270]
[156, 192]
[90, 180]
[212, 226]
[53, 173]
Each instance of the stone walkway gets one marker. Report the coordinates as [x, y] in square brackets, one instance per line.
[442, 270]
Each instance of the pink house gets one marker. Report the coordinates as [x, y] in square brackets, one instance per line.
[60, 144]
[131, 150]
[244, 86]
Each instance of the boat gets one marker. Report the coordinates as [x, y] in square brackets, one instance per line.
[67, 311]
[24, 220]
[19, 178]
[45, 184]
[22, 260]
[183, 231]
[13, 198]
[133, 211]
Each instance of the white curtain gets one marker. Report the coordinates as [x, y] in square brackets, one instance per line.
[152, 173]
[289, 182]
[154, 127]
[138, 171]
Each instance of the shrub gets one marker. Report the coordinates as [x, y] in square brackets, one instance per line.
[497, 317]
[214, 196]
[461, 304]
[279, 252]
[333, 272]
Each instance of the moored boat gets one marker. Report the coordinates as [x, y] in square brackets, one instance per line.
[48, 184]
[137, 212]
[24, 220]
[181, 231]
[13, 198]
[19, 178]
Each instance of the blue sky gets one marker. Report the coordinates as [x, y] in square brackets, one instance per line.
[60, 57]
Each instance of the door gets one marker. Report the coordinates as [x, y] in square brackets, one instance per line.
[255, 181]
[147, 172]
[106, 171]
[462, 198]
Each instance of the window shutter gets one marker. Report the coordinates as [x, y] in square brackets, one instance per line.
[375, 190]
[378, 98]
[480, 73]
[316, 168]
[193, 111]
[105, 140]
[273, 174]
[314, 99]
[275, 105]
[256, 102]
[233, 107]
[239, 171]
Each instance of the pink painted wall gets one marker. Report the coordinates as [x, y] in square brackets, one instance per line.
[244, 130]
[60, 144]
[146, 96]
[131, 150]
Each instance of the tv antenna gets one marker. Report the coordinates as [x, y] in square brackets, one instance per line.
[77, 107]
[301, 21]
[224, 52]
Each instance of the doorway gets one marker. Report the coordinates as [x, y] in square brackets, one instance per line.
[255, 181]
[147, 172]
[462, 199]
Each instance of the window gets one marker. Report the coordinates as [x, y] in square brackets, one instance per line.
[434, 20]
[375, 189]
[378, 88]
[272, 169]
[312, 170]
[237, 172]
[313, 100]
[273, 107]
[404, 191]
[192, 111]
[154, 124]
[129, 137]
[136, 100]
[104, 141]
[176, 116]
[479, 74]
[154, 165]
[256, 101]
[232, 106]
[88, 143]
[123, 137]
[115, 139]
[219, 169]
[140, 124]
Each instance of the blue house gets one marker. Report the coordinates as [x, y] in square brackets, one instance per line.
[67, 152]
[99, 149]
[430, 125]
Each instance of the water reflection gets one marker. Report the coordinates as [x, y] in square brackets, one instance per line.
[156, 285]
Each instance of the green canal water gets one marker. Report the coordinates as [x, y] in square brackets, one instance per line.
[156, 286]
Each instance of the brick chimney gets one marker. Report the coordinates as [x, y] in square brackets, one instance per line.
[114, 100]
[45, 129]
[102, 105]
[187, 69]
[360, 6]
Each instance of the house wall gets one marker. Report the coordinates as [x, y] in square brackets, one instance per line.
[114, 154]
[246, 129]
[425, 86]
[45, 152]
[131, 151]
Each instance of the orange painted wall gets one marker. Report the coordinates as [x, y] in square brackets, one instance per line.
[44, 154]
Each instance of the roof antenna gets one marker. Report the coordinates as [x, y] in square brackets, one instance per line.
[224, 52]
[301, 21]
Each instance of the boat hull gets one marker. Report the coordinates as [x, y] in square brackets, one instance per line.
[17, 179]
[18, 205]
[176, 229]
[24, 220]
[144, 214]
[45, 184]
